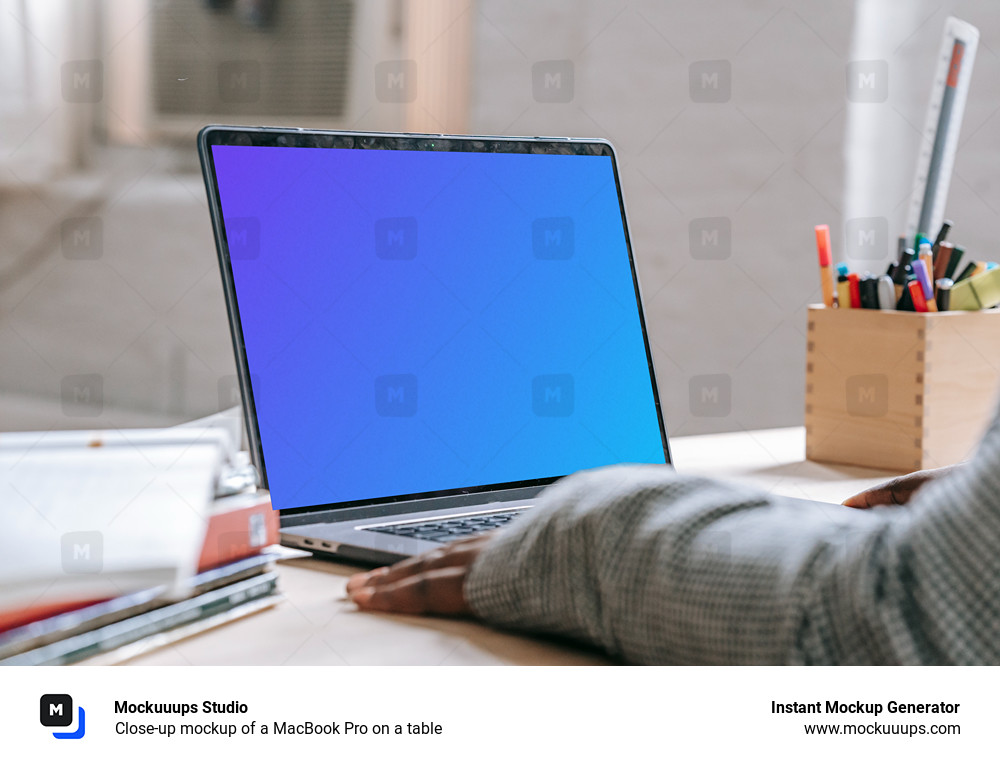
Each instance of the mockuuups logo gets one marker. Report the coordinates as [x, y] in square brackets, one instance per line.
[56, 711]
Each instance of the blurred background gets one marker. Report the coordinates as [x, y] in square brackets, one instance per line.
[739, 127]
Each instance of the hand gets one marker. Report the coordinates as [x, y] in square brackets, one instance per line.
[432, 583]
[896, 491]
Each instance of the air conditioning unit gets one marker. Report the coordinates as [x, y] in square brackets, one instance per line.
[181, 64]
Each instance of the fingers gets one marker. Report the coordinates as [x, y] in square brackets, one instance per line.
[438, 591]
[456, 554]
[432, 583]
[895, 491]
[870, 498]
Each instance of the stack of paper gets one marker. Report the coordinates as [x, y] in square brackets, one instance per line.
[94, 515]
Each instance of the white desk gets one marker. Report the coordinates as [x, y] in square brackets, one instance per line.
[315, 625]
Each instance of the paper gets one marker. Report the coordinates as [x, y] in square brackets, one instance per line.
[89, 515]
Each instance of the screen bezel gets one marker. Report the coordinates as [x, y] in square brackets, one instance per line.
[228, 135]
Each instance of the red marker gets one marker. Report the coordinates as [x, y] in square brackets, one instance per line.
[855, 284]
[917, 294]
[825, 264]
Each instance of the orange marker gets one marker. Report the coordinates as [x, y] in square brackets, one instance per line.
[926, 255]
[825, 264]
[926, 281]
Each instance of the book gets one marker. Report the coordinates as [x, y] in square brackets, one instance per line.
[61, 626]
[240, 525]
[121, 633]
[92, 515]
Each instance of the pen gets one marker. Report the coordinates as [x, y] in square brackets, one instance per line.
[905, 302]
[886, 294]
[924, 279]
[941, 260]
[917, 295]
[943, 298]
[843, 292]
[966, 272]
[825, 272]
[868, 289]
[899, 277]
[942, 233]
[855, 288]
[926, 256]
[954, 260]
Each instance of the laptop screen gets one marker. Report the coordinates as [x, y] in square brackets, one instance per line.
[425, 322]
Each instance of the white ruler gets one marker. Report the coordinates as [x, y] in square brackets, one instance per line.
[941, 128]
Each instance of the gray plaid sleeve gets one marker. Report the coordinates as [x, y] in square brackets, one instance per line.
[654, 567]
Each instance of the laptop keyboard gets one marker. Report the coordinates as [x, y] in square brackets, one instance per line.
[457, 528]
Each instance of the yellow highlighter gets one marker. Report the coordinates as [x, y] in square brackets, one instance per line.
[977, 292]
[825, 264]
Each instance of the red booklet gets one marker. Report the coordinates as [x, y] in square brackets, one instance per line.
[240, 526]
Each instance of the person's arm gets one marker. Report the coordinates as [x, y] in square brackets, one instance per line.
[659, 568]
[650, 566]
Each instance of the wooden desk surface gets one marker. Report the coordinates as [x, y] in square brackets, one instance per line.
[315, 625]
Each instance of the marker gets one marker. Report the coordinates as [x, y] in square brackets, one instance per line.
[942, 233]
[953, 261]
[924, 279]
[926, 255]
[868, 289]
[966, 272]
[979, 292]
[855, 288]
[842, 269]
[906, 302]
[941, 259]
[886, 294]
[825, 272]
[917, 296]
[927, 259]
[943, 296]
[980, 267]
[843, 292]
[899, 277]
[992, 265]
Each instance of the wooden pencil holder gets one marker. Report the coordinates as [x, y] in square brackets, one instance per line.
[899, 390]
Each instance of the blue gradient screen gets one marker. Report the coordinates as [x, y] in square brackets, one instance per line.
[419, 321]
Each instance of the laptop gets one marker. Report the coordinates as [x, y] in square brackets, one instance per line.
[429, 329]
